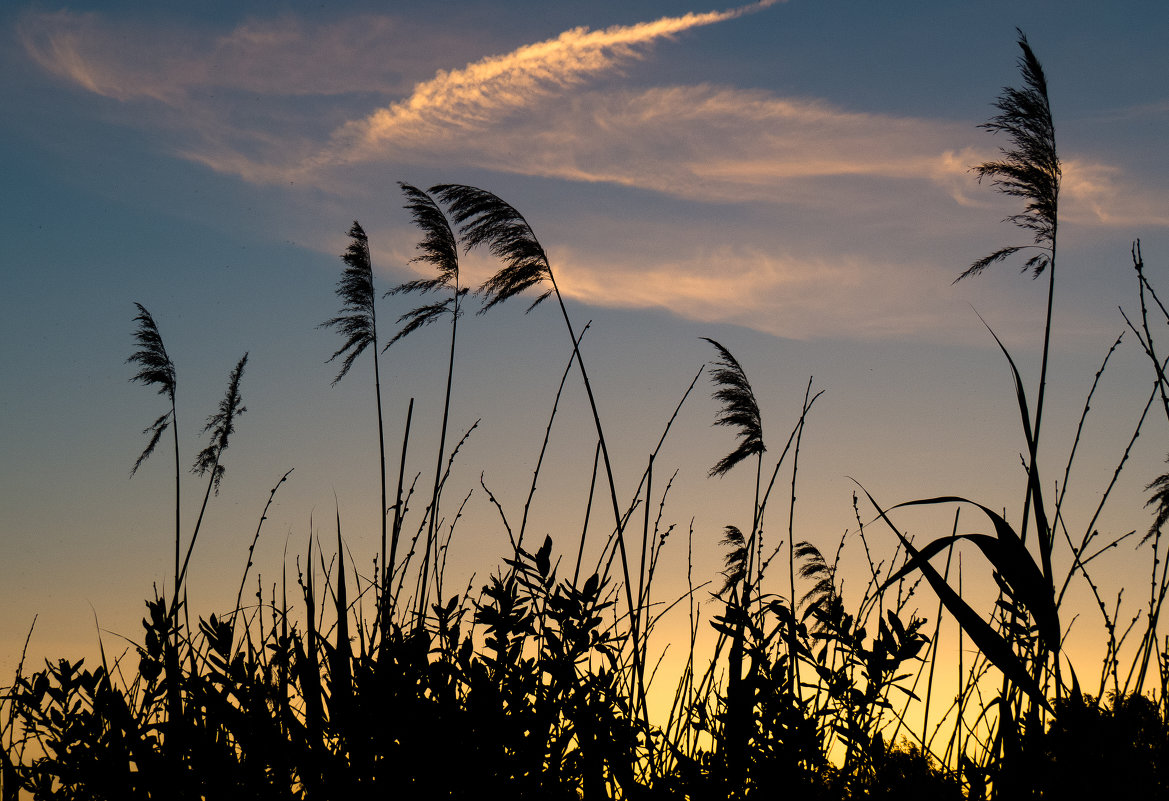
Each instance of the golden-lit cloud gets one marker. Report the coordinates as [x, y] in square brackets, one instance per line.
[470, 98]
[860, 202]
[786, 294]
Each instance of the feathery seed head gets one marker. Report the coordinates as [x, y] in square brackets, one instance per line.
[485, 219]
[735, 560]
[1029, 167]
[154, 368]
[439, 248]
[154, 365]
[356, 322]
[221, 424]
[739, 409]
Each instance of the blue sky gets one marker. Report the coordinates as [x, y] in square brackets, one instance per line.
[791, 179]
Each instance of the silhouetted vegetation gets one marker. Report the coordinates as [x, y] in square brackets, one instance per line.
[534, 684]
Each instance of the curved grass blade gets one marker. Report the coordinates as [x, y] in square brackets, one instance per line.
[992, 644]
[1034, 489]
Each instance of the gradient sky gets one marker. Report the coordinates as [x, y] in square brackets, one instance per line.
[791, 179]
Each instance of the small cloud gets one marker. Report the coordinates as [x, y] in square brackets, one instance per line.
[285, 57]
[789, 295]
[1096, 194]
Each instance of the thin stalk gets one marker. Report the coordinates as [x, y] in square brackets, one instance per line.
[194, 536]
[544, 449]
[793, 667]
[431, 532]
[357, 322]
[252, 549]
[381, 437]
[178, 472]
[389, 568]
[587, 515]
[929, 691]
[646, 542]
[619, 521]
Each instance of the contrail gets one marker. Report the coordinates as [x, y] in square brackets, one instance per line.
[486, 90]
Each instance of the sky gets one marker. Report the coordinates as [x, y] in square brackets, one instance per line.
[790, 179]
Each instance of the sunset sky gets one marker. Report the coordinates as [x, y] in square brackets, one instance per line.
[790, 179]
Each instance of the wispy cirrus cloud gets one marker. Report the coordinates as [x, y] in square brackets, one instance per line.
[493, 88]
[285, 56]
[327, 106]
[528, 111]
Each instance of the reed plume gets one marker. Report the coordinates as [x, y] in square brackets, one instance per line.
[735, 562]
[357, 323]
[484, 219]
[487, 220]
[439, 248]
[156, 369]
[739, 410]
[1029, 167]
[221, 424]
[209, 462]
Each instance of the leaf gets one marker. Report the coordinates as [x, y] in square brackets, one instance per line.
[543, 557]
[1009, 557]
[990, 642]
[1045, 534]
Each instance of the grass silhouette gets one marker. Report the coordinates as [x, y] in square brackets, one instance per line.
[439, 248]
[535, 685]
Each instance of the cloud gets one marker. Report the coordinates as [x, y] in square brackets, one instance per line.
[285, 56]
[1096, 194]
[786, 294]
[273, 101]
[840, 213]
[717, 144]
[467, 99]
